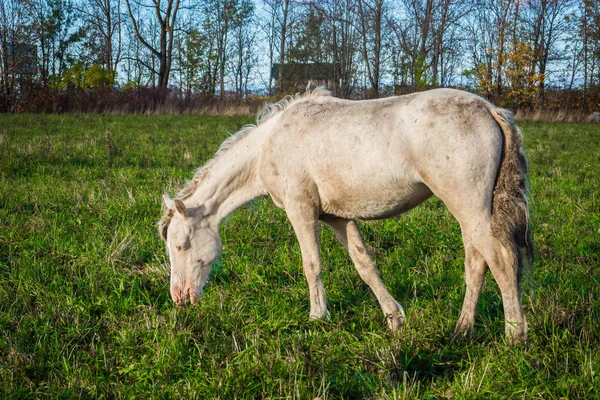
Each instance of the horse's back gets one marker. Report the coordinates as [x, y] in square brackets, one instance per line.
[376, 158]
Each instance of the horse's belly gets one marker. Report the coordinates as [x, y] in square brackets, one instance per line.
[364, 202]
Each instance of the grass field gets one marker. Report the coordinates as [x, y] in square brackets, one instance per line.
[85, 309]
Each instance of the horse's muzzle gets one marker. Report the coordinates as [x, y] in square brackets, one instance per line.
[180, 297]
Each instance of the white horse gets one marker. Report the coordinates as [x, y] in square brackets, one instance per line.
[326, 159]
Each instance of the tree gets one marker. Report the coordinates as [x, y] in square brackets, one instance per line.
[309, 46]
[492, 29]
[281, 17]
[370, 19]
[53, 30]
[166, 18]
[546, 24]
[243, 58]
[446, 39]
[282, 36]
[15, 61]
[428, 41]
[424, 20]
[192, 53]
[507, 70]
[341, 40]
[589, 29]
[103, 17]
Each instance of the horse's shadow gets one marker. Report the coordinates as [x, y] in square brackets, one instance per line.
[439, 355]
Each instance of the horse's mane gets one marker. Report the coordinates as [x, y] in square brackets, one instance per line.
[271, 109]
[268, 111]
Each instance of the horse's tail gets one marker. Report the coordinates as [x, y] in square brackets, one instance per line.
[510, 211]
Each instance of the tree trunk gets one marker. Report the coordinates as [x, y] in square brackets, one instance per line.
[372, 62]
[164, 54]
[282, 83]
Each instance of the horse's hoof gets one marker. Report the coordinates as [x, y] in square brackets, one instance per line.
[516, 333]
[396, 319]
[463, 329]
[516, 338]
[320, 316]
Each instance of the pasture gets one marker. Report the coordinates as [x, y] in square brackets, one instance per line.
[85, 309]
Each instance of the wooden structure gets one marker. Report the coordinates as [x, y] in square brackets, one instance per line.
[296, 76]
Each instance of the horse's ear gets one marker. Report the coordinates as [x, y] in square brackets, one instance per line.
[169, 203]
[175, 204]
[180, 207]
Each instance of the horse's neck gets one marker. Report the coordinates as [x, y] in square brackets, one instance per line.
[232, 180]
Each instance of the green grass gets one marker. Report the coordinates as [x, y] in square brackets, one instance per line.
[85, 309]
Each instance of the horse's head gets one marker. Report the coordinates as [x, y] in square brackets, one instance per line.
[192, 245]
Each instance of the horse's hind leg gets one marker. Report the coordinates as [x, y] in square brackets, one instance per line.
[475, 269]
[348, 234]
[503, 264]
[470, 201]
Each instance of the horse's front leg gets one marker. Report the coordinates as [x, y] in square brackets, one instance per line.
[348, 234]
[305, 222]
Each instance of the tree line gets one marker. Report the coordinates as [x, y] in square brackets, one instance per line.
[65, 55]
